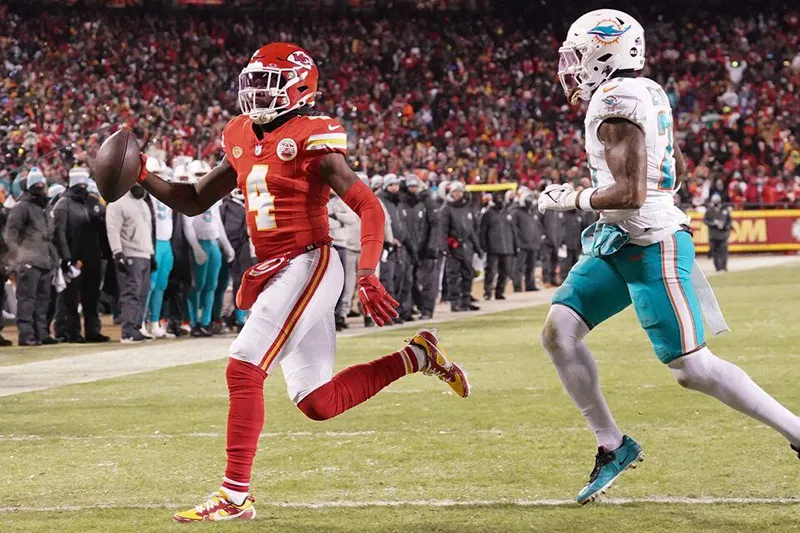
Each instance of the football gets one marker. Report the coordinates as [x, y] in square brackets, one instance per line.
[117, 165]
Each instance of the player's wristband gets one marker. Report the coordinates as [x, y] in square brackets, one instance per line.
[584, 202]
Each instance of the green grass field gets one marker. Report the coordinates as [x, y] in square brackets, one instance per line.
[144, 444]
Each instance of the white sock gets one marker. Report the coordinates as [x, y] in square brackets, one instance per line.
[235, 497]
[422, 361]
[705, 372]
[562, 338]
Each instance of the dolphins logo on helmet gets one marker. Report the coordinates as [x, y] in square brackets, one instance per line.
[609, 31]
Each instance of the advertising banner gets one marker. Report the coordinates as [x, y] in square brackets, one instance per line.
[755, 231]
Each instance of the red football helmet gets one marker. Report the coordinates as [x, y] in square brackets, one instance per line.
[279, 78]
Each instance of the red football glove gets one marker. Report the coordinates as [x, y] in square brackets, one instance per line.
[376, 302]
[142, 169]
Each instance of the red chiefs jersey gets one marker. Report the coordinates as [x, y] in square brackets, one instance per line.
[286, 201]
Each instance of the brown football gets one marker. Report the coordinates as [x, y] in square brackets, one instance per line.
[117, 165]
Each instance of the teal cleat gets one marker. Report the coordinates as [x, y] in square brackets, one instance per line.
[607, 468]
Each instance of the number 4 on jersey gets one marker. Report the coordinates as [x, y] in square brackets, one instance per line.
[259, 200]
[667, 168]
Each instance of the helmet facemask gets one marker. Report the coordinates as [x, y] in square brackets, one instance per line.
[264, 92]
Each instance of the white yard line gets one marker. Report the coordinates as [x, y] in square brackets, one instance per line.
[41, 375]
[347, 504]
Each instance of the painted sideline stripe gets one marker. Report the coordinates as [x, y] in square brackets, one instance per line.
[660, 500]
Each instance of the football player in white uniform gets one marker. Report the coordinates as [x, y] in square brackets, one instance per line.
[640, 251]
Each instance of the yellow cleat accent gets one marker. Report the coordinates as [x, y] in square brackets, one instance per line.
[439, 364]
[218, 508]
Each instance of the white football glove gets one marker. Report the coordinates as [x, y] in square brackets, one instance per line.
[558, 198]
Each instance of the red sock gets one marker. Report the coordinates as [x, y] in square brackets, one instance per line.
[357, 384]
[245, 421]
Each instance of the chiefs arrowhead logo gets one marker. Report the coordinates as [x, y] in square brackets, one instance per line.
[287, 149]
[237, 152]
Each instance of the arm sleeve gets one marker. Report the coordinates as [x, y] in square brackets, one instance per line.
[361, 200]
[113, 227]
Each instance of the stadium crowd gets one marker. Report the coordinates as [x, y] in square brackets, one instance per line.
[430, 102]
[466, 97]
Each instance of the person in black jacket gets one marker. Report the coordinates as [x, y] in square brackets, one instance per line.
[572, 226]
[393, 270]
[422, 228]
[5, 269]
[529, 233]
[234, 218]
[457, 223]
[79, 225]
[719, 222]
[28, 234]
[498, 239]
[552, 236]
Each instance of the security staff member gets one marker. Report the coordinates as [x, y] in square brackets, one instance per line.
[552, 236]
[234, 219]
[79, 223]
[422, 228]
[529, 232]
[457, 229]
[28, 234]
[498, 239]
[572, 224]
[393, 270]
[5, 268]
[719, 220]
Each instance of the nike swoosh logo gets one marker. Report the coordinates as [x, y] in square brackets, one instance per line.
[609, 89]
[622, 461]
[331, 127]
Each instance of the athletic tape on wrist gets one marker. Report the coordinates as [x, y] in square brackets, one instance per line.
[585, 199]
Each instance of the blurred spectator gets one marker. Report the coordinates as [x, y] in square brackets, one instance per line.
[718, 219]
[342, 221]
[499, 241]
[423, 220]
[234, 215]
[28, 234]
[458, 230]
[393, 268]
[5, 268]
[79, 226]
[529, 233]
[129, 224]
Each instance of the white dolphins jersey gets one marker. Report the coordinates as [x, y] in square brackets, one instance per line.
[643, 102]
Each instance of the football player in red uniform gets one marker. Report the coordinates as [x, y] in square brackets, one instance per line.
[286, 159]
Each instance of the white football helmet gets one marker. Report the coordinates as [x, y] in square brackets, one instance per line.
[159, 168]
[598, 44]
[197, 169]
[181, 174]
